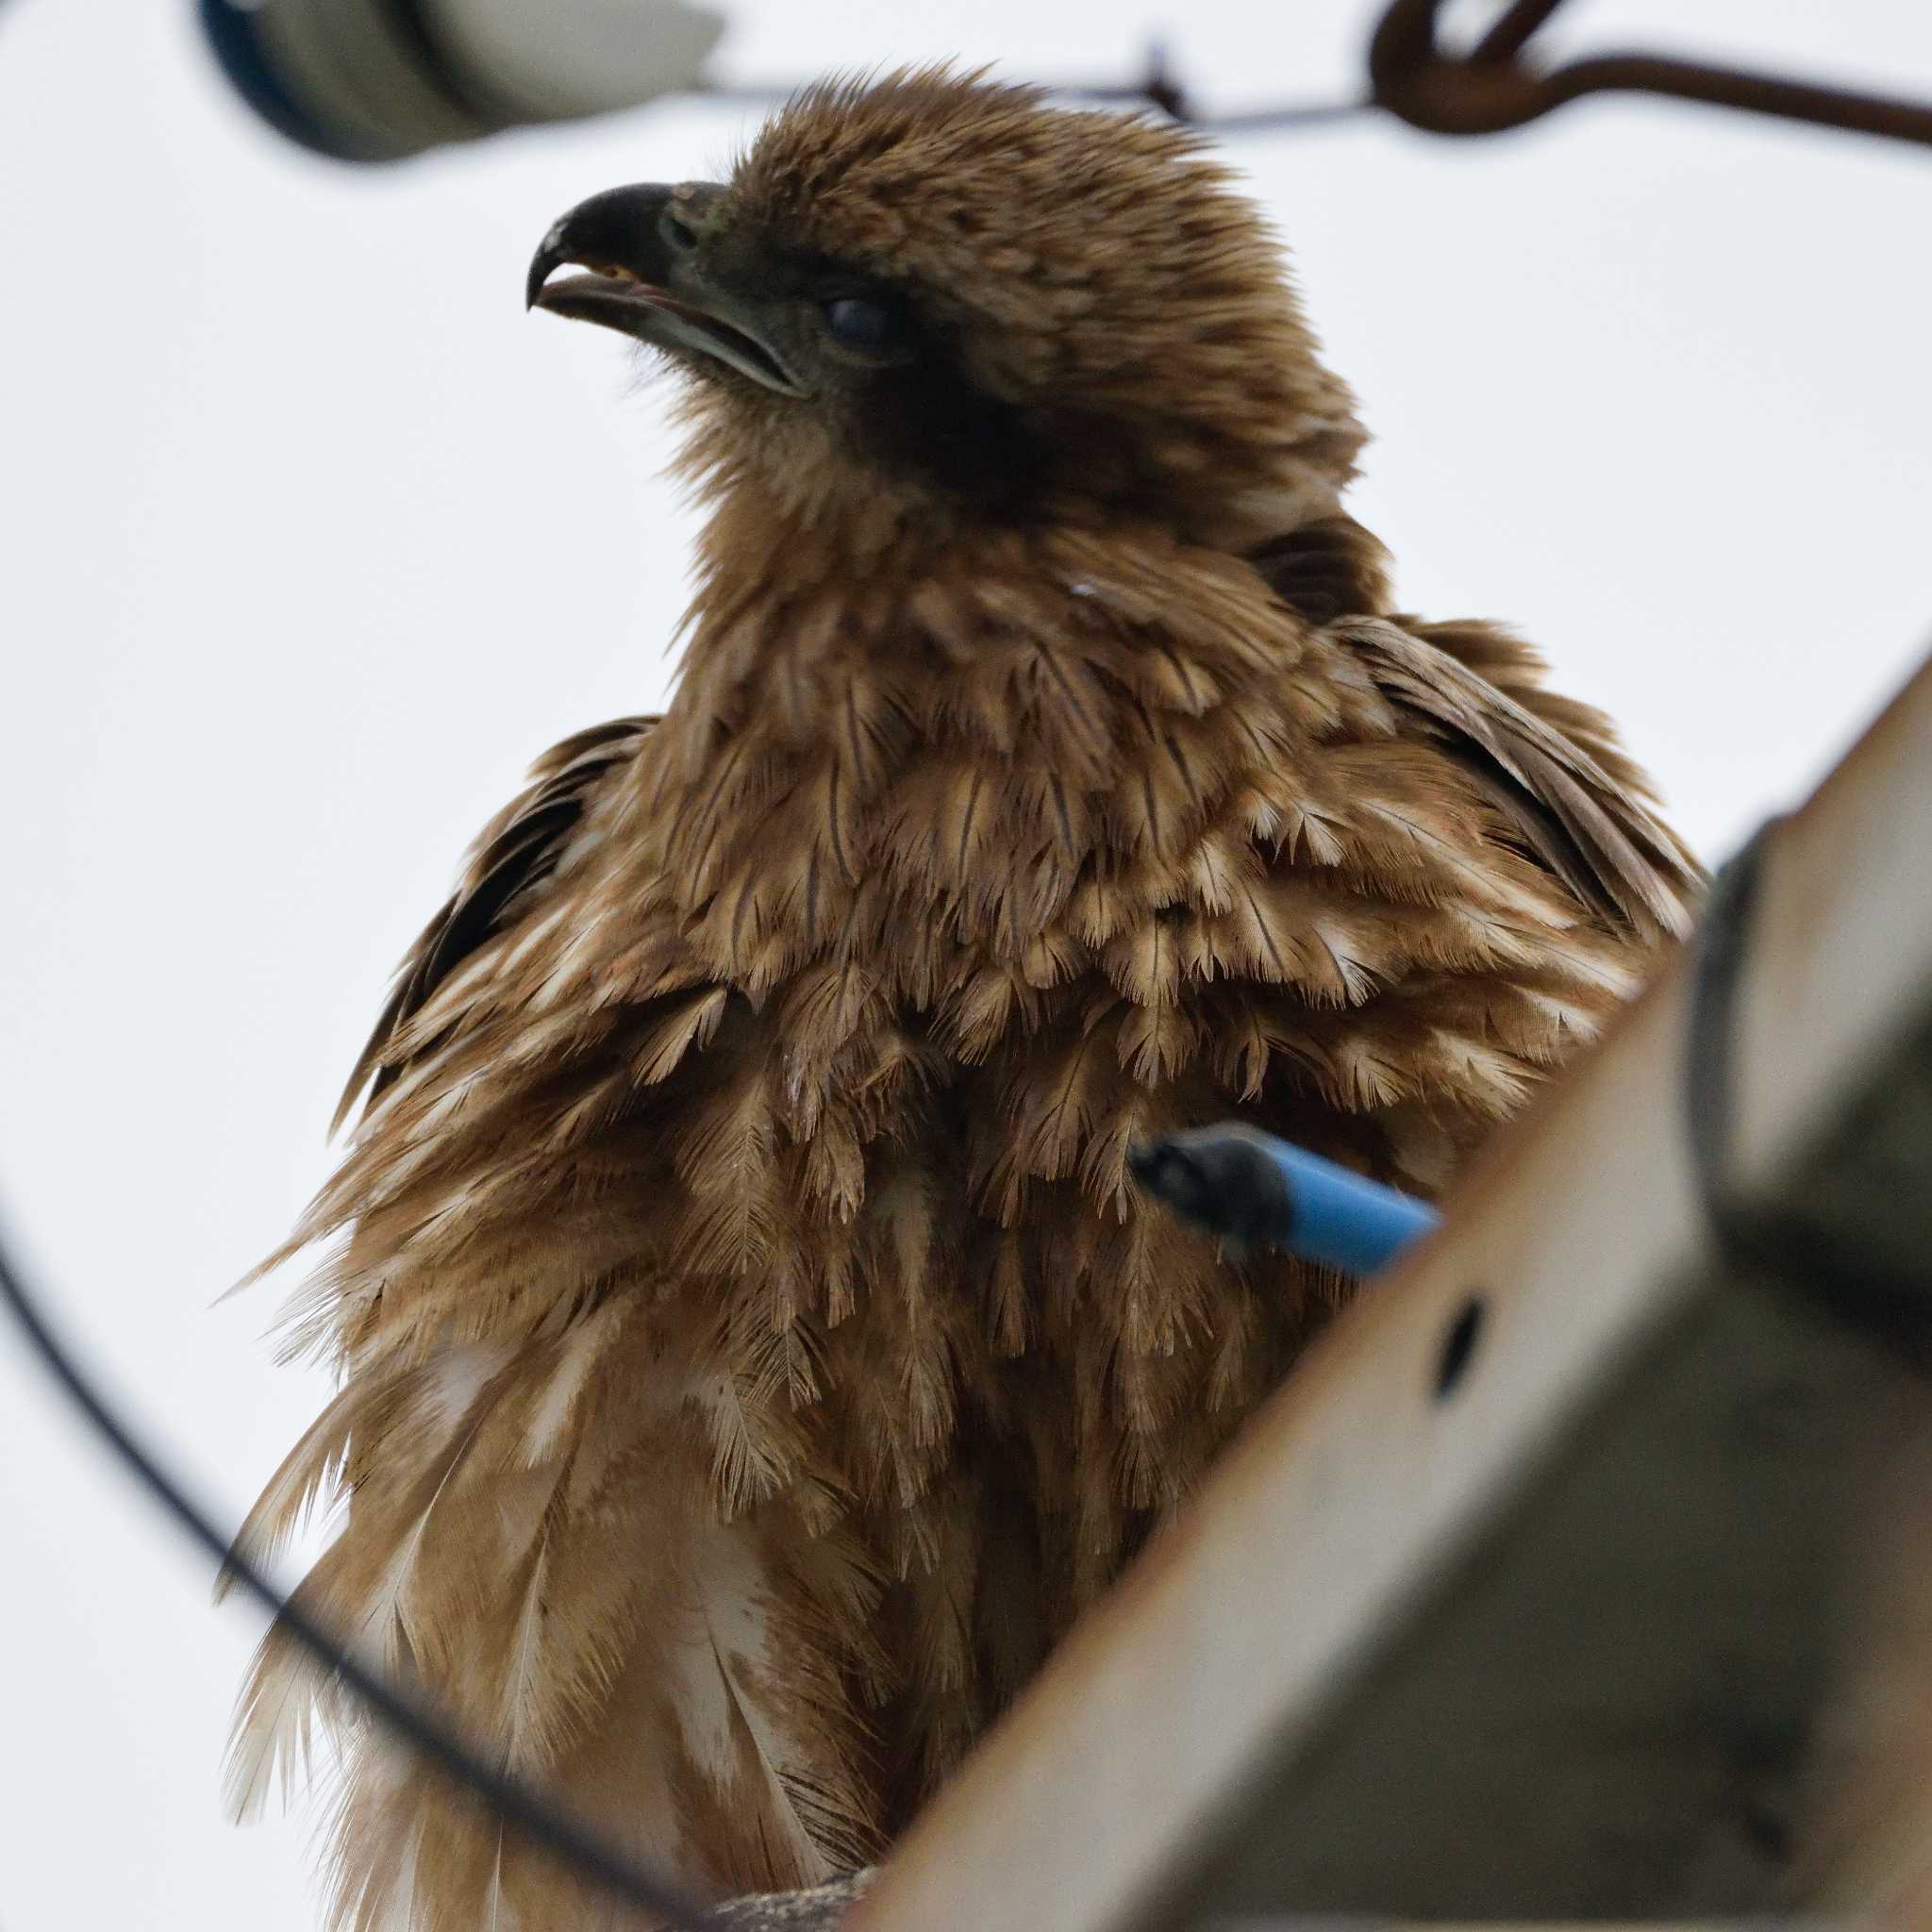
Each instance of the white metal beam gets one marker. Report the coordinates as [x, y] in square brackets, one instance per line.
[1524, 1598]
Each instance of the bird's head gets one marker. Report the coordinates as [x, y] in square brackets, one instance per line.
[948, 291]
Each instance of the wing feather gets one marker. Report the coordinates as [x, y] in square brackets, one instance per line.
[1592, 827]
[1549, 767]
[518, 849]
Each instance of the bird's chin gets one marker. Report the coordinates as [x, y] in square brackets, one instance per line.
[664, 321]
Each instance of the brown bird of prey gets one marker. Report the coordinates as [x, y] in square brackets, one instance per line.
[754, 1353]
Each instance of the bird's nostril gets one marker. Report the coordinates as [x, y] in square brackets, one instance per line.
[678, 231]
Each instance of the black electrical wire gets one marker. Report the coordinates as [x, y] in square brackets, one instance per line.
[567, 1839]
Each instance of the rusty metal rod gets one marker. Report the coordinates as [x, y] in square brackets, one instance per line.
[1414, 79]
[1506, 40]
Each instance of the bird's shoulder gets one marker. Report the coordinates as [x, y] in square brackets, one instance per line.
[505, 869]
[1549, 767]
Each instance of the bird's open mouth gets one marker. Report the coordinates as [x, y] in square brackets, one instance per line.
[614, 298]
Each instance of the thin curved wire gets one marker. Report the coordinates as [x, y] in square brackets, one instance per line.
[585, 1851]
[1148, 92]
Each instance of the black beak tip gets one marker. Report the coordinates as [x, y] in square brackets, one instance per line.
[553, 254]
[623, 226]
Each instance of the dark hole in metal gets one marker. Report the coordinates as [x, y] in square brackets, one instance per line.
[1459, 1345]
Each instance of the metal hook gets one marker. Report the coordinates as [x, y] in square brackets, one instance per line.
[1490, 89]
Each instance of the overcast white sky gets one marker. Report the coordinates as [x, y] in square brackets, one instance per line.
[311, 540]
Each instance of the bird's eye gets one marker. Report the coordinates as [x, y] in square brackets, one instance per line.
[860, 322]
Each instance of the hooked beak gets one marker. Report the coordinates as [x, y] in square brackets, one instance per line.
[643, 247]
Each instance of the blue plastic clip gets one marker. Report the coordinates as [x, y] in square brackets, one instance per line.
[1252, 1188]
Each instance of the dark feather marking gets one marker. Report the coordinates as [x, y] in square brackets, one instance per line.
[742, 910]
[1325, 569]
[1051, 1119]
[1267, 937]
[1183, 670]
[734, 756]
[966, 823]
[853, 737]
[811, 886]
[1153, 810]
[846, 871]
[1058, 673]
[1059, 806]
[1335, 960]
[1181, 765]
